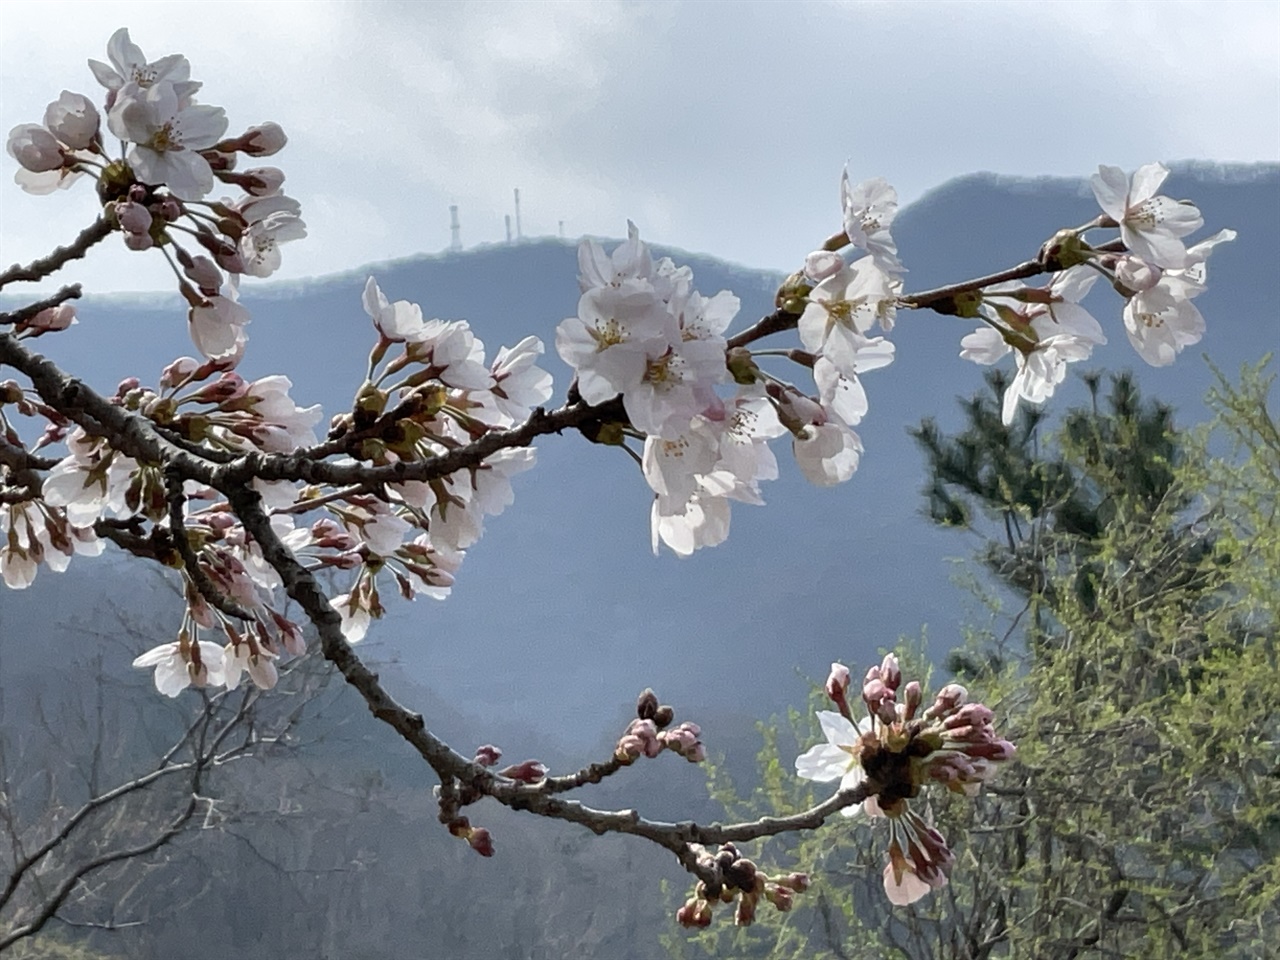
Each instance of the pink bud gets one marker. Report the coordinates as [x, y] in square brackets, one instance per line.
[889, 672]
[822, 264]
[73, 119]
[178, 371]
[481, 841]
[262, 181]
[35, 148]
[488, 755]
[528, 771]
[133, 217]
[51, 319]
[263, 140]
[838, 681]
[204, 274]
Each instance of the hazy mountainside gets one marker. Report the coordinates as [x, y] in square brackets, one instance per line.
[561, 613]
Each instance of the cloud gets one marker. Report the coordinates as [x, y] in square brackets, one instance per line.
[716, 127]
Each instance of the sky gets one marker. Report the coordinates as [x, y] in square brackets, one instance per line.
[717, 127]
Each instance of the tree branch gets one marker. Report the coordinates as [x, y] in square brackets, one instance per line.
[96, 232]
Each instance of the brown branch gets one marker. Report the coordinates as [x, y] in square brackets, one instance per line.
[24, 314]
[96, 232]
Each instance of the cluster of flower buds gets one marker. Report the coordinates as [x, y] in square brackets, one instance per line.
[154, 194]
[651, 733]
[896, 750]
[478, 838]
[740, 880]
[1046, 328]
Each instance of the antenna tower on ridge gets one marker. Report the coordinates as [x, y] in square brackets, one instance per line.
[455, 229]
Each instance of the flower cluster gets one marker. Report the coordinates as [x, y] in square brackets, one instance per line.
[894, 751]
[645, 334]
[742, 881]
[651, 733]
[429, 390]
[1046, 327]
[154, 192]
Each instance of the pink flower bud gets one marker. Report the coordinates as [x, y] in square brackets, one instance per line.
[178, 371]
[838, 681]
[51, 319]
[889, 671]
[35, 148]
[822, 264]
[488, 755]
[971, 714]
[913, 697]
[949, 700]
[481, 841]
[204, 274]
[1136, 274]
[263, 140]
[262, 181]
[134, 218]
[528, 771]
[73, 119]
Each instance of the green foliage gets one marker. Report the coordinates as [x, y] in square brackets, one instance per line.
[1142, 817]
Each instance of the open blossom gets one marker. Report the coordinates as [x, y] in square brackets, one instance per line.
[397, 322]
[617, 332]
[272, 220]
[182, 664]
[129, 65]
[167, 133]
[217, 326]
[1150, 225]
[895, 751]
[843, 308]
[869, 209]
[1045, 329]
[1161, 320]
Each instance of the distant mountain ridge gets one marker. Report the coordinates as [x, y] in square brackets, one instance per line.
[560, 612]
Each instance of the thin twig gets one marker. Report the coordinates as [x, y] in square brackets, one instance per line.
[96, 232]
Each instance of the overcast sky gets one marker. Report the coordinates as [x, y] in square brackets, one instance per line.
[718, 127]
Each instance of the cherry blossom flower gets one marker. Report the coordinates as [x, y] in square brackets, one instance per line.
[869, 209]
[397, 322]
[519, 384]
[168, 134]
[129, 65]
[217, 324]
[840, 758]
[182, 664]
[249, 657]
[842, 308]
[896, 750]
[1045, 328]
[629, 261]
[1162, 320]
[35, 148]
[271, 220]
[1150, 225]
[617, 332]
